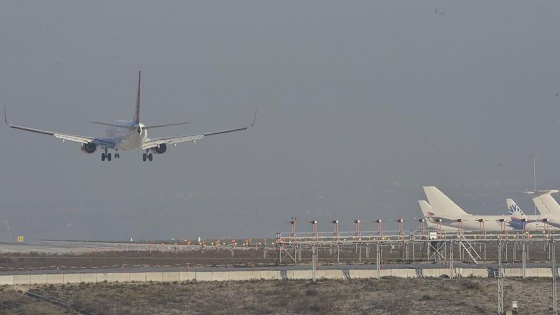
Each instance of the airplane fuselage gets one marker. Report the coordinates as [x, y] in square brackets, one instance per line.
[472, 222]
[127, 137]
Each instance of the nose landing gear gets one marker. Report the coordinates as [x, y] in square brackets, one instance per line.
[147, 156]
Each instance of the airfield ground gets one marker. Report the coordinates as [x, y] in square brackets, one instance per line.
[384, 296]
[355, 296]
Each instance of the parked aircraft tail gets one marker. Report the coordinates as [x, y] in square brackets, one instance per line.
[441, 204]
[428, 213]
[514, 209]
[544, 202]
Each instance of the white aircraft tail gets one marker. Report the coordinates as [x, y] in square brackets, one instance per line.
[426, 208]
[428, 213]
[514, 210]
[441, 204]
[137, 112]
[545, 203]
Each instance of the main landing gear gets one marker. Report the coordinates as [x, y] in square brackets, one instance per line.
[147, 156]
[107, 156]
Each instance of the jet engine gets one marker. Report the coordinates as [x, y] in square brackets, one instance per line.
[89, 147]
[160, 149]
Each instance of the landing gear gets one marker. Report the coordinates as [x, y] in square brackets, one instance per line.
[147, 156]
[107, 156]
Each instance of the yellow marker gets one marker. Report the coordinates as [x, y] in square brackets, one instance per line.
[20, 239]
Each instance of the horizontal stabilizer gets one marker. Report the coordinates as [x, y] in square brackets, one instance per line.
[112, 125]
[167, 125]
[537, 193]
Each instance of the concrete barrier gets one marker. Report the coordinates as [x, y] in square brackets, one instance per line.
[204, 276]
[88, 277]
[544, 272]
[384, 273]
[154, 276]
[21, 279]
[55, 279]
[138, 277]
[7, 280]
[121, 277]
[169, 276]
[239, 275]
[37, 279]
[257, 275]
[299, 274]
[471, 272]
[269, 275]
[510, 272]
[187, 276]
[334, 274]
[319, 274]
[433, 273]
[102, 277]
[71, 278]
[363, 274]
[403, 273]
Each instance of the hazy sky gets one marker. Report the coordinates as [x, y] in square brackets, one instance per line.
[352, 96]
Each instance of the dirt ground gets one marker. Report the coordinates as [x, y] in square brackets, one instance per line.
[366, 296]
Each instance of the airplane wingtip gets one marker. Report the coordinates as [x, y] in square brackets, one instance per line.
[254, 118]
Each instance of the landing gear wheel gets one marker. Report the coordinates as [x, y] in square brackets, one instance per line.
[108, 156]
[144, 157]
[151, 157]
[117, 156]
[103, 156]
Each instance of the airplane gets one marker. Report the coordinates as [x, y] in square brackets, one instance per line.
[127, 135]
[548, 207]
[434, 222]
[443, 214]
[521, 221]
[447, 215]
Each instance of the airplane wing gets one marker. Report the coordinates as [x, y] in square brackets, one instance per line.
[103, 142]
[178, 139]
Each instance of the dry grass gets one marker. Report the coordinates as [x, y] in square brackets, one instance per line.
[385, 296]
[13, 303]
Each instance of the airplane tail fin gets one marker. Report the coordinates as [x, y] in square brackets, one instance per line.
[427, 211]
[514, 210]
[426, 208]
[545, 203]
[441, 204]
[137, 112]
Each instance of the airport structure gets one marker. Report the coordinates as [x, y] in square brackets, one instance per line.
[400, 246]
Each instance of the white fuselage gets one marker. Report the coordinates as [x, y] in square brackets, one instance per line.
[471, 223]
[127, 137]
[491, 223]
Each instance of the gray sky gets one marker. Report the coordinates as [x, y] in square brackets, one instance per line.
[353, 98]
